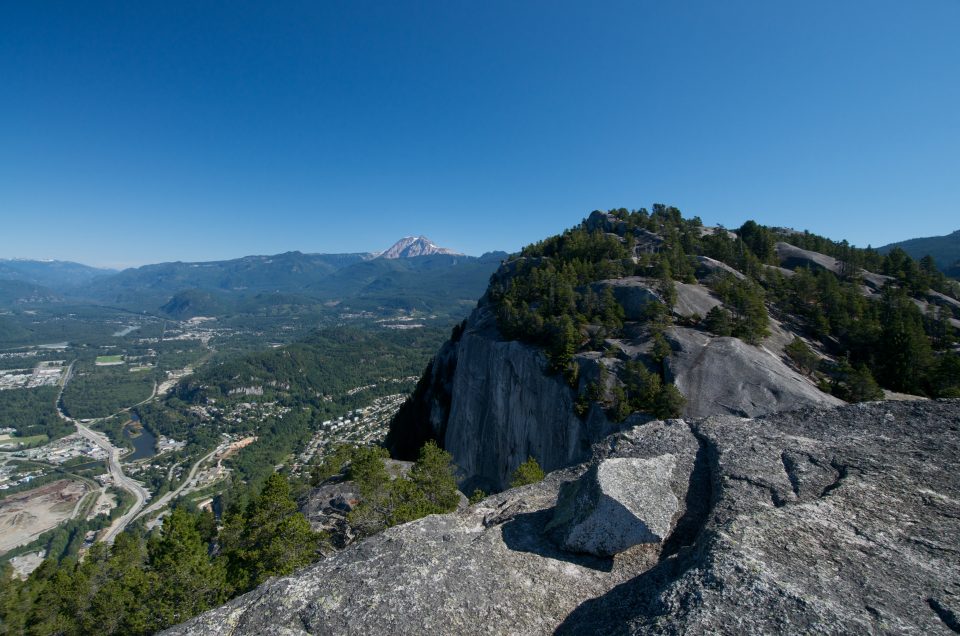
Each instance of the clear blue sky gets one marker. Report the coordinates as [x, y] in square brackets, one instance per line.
[147, 131]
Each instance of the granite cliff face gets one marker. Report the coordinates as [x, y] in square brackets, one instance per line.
[492, 404]
[822, 521]
[505, 409]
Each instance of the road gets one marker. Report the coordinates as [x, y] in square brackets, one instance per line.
[139, 493]
[164, 500]
[119, 479]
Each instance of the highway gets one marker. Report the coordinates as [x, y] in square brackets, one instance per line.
[121, 480]
[141, 495]
[113, 461]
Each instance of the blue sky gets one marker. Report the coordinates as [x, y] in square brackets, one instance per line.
[150, 131]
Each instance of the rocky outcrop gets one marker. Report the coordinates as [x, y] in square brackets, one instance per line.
[707, 266]
[875, 282]
[727, 375]
[717, 230]
[940, 311]
[694, 300]
[635, 293]
[792, 257]
[492, 403]
[823, 521]
[617, 504]
[605, 222]
[326, 508]
[645, 241]
[944, 300]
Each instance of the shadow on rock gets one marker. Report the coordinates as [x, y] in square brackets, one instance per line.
[635, 599]
[524, 533]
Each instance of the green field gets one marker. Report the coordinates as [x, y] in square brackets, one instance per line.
[109, 359]
[26, 442]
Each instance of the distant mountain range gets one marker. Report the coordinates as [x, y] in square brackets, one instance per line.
[945, 250]
[53, 274]
[413, 274]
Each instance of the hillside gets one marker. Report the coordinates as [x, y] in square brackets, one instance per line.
[431, 283]
[153, 285]
[297, 386]
[639, 315]
[945, 251]
[17, 292]
[685, 388]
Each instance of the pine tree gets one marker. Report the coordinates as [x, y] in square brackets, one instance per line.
[660, 350]
[718, 322]
[529, 472]
[801, 353]
[904, 350]
[433, 476]
[121, 604]
[270, 538]
[669, 402]
[187, 581]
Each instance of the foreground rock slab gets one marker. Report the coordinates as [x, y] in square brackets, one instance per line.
[820, 521]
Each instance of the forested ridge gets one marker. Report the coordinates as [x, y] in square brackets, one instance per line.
[898, 336]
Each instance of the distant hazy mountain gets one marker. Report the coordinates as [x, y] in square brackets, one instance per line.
[153, 285]
[413, 274]
[435, 283]
[945, 250]
[57, 275]
[411, 246]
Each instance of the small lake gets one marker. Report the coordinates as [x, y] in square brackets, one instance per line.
[144, 444]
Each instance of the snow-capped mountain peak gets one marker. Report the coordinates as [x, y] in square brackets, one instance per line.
[410, 246]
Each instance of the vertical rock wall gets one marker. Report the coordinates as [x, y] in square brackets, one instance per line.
[505, 408]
